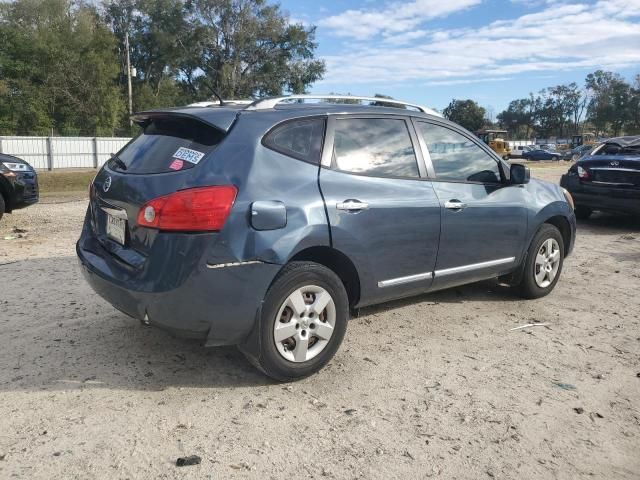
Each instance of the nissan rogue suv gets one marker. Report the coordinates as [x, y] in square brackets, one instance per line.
[264, 225]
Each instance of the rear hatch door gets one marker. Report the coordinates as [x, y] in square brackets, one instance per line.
[166, 157]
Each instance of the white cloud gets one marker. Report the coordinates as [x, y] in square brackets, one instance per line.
[394, 18]
[558, 37]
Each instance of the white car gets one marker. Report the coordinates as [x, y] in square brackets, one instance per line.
[517, 151]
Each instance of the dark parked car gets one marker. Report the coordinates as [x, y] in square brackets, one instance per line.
[18, 184]
[579, 152]
[264, 225]
[607, 179]
[540, 154]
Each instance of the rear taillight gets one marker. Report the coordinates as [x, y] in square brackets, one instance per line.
[582, 173]
[195, 209]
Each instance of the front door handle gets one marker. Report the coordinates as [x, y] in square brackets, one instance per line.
[455, 205]
[352, 205]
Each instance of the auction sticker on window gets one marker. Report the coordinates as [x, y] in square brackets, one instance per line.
[188, 155]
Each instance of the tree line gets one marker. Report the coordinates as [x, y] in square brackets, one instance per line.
[63, 68]
[606, 105]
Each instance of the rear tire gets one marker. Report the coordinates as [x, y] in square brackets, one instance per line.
[582, 213]
[304, 319]
[2, 206]
[543, 264]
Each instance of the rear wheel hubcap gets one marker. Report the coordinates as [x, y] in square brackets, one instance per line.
[304, 324]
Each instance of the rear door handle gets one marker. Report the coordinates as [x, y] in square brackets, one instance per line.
[455, 205]
[352, 205]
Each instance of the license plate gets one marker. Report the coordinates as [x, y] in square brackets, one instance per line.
[116, 228]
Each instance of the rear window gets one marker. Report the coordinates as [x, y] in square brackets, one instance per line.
[615, 149]
[166, 145]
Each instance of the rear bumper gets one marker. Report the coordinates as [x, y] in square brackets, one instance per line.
[217, 305]
[599, 197]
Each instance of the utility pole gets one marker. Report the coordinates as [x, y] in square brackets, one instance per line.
[126, 46]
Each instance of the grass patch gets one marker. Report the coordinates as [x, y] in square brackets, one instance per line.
[65, 181]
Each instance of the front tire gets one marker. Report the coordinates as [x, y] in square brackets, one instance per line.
[543, 263]
[304, 319]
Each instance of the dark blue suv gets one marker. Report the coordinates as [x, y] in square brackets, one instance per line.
[263, 226]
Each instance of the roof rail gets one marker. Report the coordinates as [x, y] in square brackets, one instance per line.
[217, 103]
[268, 103]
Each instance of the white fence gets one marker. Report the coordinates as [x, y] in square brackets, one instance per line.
[62, 152]
[520, 143]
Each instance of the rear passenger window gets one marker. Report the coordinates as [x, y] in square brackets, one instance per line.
[301, 139]
[457, 158]
[374, 146]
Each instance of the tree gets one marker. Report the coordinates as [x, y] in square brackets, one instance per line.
[58, 67]
[609, 107]
[188, 50]
[246, 48]
[466, 113]
[518, 118]
[634, 107]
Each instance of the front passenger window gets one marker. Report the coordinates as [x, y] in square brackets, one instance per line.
[457, 158]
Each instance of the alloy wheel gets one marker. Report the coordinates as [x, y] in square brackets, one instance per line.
[547, 263]
[304, 324]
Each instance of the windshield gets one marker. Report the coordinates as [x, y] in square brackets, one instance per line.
[165, 145]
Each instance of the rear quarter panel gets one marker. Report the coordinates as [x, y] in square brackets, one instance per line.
[271, 176]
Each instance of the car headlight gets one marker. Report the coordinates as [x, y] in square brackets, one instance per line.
[4, 170]
[568, 198]
[14, 166]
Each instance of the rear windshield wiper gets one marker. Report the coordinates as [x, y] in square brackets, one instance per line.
[118, 162]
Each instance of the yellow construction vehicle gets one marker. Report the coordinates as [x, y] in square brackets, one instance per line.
[496, 141]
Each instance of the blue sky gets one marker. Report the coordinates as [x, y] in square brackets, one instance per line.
[493, 51]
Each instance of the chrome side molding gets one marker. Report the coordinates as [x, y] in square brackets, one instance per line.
[234, 264]
[402, 280]
[447, 271]
[474, 266]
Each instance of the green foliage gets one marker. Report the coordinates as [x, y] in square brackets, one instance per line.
[466, 113]
[245, 48]
[607, 104]
[611, 99]
[58, 66]
[63, 70]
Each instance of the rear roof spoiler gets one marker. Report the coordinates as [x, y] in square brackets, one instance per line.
[221, 118]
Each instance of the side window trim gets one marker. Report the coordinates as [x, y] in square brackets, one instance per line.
[328, 153]
[426, 155]
[290, 153]
[481, 145]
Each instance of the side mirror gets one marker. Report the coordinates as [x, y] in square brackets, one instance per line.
[520, 174]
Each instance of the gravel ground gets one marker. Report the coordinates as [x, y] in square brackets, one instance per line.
[434, 386]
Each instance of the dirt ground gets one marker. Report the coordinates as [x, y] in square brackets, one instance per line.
[435, 386]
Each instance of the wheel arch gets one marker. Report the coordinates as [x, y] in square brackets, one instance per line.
[562, 224]
[337, 262]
